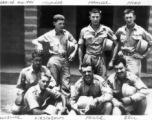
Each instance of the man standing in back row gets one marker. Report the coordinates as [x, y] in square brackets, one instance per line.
[93, 37]
[128, 37]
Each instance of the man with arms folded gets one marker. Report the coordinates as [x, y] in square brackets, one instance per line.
[128, 37]
[28, 77]
[36, 97]
[58, 63]
[129, 91]
[93, 37]
[91, 85]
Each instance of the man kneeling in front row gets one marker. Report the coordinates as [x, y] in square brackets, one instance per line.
[37, 97]
[91, 95]
[128, 90]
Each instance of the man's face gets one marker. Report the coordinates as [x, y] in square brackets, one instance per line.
[37, 61]
[44, 82]
[120, 70]
[95, 18]
[87, 74]
[59, 25]
[129, 18]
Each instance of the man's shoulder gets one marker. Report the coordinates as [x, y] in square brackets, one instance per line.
[121, 28]
[79, 82]
[98, 78]
[131, 76]
[26, 69]
[85, 28]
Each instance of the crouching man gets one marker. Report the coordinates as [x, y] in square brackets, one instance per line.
[38, 97]
[128, 90]
[91, 94]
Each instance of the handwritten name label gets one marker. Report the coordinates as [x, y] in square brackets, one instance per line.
[99, 2]
[6, 1]
[49, 118]
[49, 2]
[95, 118]
[10, 117]
[133, 3]
[130, 117]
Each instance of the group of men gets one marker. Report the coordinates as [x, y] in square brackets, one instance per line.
[43, 88]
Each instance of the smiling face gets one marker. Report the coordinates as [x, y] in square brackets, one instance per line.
[87, 74]
[130, 18]
[95, 19]
[120, 70]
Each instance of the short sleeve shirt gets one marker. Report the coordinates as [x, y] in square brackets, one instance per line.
[57, 42]
[94, 40]
[128, 41]
[34, 98]
[28, 77]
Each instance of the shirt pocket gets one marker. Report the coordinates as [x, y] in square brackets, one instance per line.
[136, 36]
[123, 38]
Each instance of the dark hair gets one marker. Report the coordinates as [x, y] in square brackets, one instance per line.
[119, 60]
[36, 54]
[95, 10]
[58, 17]
[127, 11]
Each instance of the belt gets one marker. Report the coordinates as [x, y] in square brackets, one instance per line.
[59, 55]
[128, 53]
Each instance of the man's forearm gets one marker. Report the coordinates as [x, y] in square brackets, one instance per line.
[36, 42]
[64, 101]
[147, 52]
[115, 51]
[80, 53]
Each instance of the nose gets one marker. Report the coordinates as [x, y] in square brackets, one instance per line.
[119, 70]
[87, 73]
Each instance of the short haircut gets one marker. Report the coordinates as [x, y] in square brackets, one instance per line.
[36, 54]
[86, 65]
[46, 74]
[95, 10]
[58, 17]
[127, 11]
[119, 60]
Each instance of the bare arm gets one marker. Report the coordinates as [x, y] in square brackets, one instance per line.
[37, 111]
[81, 54]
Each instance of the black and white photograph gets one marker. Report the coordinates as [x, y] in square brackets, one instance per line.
[76, 60]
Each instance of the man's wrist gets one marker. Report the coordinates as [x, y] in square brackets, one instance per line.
[143, 56]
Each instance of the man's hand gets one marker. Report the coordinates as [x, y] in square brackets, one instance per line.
[117, 103]
[120, 53]
[92, 105]
[126, 100]
[72, 56]
[19, 100]
[138, 56]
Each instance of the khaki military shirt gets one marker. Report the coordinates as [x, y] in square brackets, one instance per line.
[128, 41]
[132, 80]
[94, 40]
[34, 98]
[98, 89]
[28, 78]
[57, 42]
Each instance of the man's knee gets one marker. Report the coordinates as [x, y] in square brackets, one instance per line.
[108, 105]
[72, 112]
[116, 111]
[16, 110]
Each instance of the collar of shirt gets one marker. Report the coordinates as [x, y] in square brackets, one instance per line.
[53, 32]
[93, 82]
[134, 28]
[37, 87]
[100, 28]
[126, 79]
[32, 70]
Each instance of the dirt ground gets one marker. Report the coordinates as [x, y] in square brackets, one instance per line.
[8, 95]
